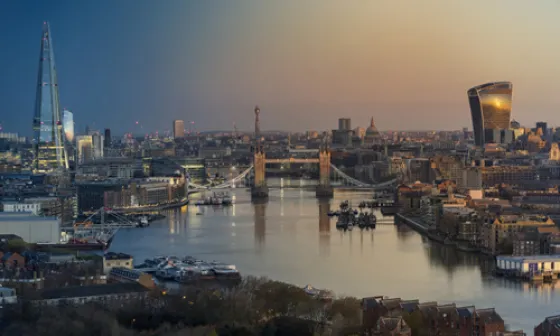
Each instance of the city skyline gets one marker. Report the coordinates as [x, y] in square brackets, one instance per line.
[312, 62]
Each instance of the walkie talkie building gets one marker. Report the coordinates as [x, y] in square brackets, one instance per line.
[48, 138]
[491, 112]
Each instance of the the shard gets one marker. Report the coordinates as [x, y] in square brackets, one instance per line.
[50, 152]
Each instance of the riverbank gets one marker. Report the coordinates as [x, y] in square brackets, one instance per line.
[155, 208]
[256, 305]
[421, 227]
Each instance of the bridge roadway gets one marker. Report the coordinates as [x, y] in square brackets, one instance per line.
[292, 160]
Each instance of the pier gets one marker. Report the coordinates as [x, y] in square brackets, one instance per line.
[421, 228]
[531, 268]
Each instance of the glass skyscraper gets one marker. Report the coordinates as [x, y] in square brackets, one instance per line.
[68, 125]
[491, 112]
[50, 151]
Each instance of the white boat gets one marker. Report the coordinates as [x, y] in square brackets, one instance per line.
[226, 273]
[143, 221]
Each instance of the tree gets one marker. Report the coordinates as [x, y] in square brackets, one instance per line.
[416, 323]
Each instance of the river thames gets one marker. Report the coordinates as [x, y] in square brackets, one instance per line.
[290, 238]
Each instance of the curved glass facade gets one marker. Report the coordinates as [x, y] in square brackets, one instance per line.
[68, 125]
[50, 152]
[491, 112]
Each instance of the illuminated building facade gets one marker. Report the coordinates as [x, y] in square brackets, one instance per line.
[84, 147]
[491, 112]
[48, 140]
[178, 129]
[68, 125]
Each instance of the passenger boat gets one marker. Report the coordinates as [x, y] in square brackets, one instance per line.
[227, 199]
[167, 272]
[187, 274]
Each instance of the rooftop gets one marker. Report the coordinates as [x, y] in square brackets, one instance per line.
[552, 257]
[23, 217]
[117, 256]
[409, 305]
[371, 302]
[488, 315]
[88, 291]
[465, 311]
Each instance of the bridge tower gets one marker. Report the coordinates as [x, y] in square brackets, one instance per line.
[324, 188]
[259, 189]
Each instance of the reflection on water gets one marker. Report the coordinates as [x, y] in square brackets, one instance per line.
[291, 238]
[259, 209]
[324, 227]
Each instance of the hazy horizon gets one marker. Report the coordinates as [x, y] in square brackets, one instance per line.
[406, 64]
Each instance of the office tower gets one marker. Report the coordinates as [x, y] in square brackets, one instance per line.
[344, 124]
[97, 142]
[490, 106]
[48, 140]
[84, 148]
[178, 129]
[343, 135]
[544, 127]
[68, 125]
[107, 142]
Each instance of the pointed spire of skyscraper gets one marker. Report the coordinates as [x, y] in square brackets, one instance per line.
[50, 152]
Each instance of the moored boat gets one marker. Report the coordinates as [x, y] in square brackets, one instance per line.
[189, 269]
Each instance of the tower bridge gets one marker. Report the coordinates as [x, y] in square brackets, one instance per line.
[293, 160]
[327, 170]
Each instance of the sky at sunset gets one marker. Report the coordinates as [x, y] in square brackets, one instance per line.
[305, 62]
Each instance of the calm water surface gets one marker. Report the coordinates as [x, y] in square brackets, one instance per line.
[290, 238]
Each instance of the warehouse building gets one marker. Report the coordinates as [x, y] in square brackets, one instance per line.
[31, 228]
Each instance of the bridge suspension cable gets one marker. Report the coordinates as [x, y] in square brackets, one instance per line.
[359, 183]
[349, 179]
[226, 184]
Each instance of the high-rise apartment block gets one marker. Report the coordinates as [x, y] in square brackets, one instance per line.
[543, 126]
[344, 124]
[178, 129]
[343, 135]
[107, 141]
